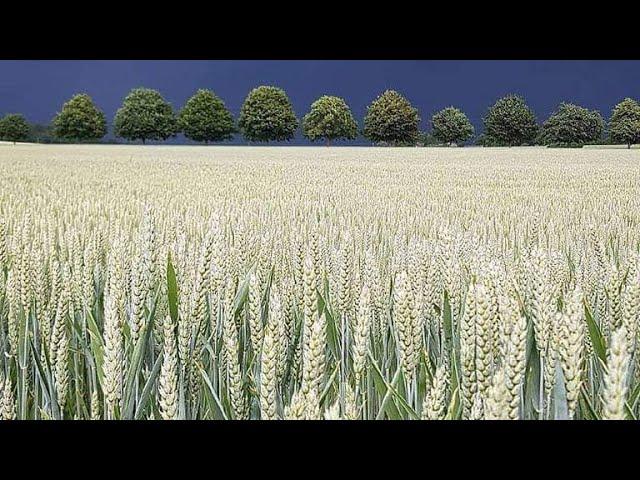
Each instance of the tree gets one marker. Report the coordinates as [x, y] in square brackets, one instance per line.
[145, 115]
[205, 118]
[510, 122]
[80, 119]
[14, 127]
[330, 119]
[391, 119]
[40, 133]
[426, 139]
[451, 126]
[572, 126]
[267, 115]
[624, 124]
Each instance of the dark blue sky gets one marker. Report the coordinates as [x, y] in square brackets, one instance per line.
[39, 88]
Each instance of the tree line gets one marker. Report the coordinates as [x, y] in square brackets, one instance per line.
[267, 115]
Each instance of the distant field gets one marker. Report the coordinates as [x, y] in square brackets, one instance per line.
[314, 282]
[633, 147]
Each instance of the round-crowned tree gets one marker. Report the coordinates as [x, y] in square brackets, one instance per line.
[14, 128]
[267, 115]
[624, 124]
[572, 126]
[510, 122]
[80, 119]
[451, 125]
[205, 118]
[391, 119]
[330, 119]
[145, 115]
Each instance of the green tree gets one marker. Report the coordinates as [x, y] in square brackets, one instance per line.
[39, 133]
[572, 126]
[267, 115]
[510, 122]
[426, 139]
[330, 119]
[14, 128]
[451, 126]
[624, 124]
[80, 119]
[391, 119]
[205, 118]
[145, 115]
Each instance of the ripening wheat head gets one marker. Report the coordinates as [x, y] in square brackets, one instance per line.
[360, 283]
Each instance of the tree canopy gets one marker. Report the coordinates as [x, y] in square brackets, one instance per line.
[451, 125]
[510, 122]
[205, 118]
[572, 126]
[145, 115]
[14, 127]
[391, 119]
[267, 115]
[330, 119]
[80, 119]
[624, 125]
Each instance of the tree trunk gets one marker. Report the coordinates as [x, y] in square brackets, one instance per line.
[143, 141]
[328, 142]
[629, 146]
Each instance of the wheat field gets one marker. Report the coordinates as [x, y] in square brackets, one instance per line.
[174, 282]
